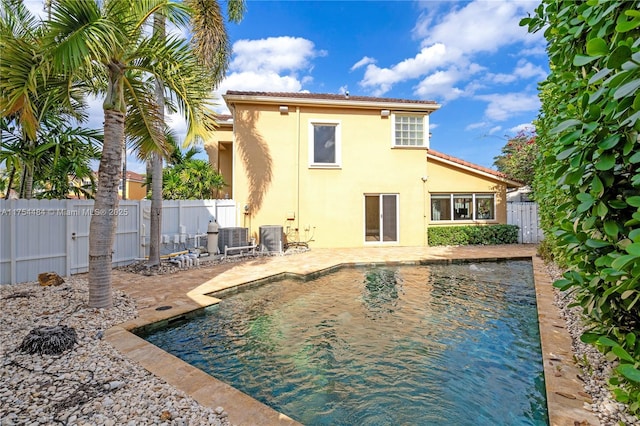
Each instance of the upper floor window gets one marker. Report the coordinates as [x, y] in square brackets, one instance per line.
[324, 143]
[410, 130]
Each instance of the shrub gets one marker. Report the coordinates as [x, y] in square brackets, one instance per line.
[472, 235]
[588, 173]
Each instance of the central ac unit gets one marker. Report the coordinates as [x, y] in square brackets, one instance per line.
[271, 238]
[232, 237]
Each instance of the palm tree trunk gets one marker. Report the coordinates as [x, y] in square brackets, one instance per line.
[156, 210]
[102, 228]
[28, 181]
[156, 159]
[103, 224]
[27, 174]
[10, 184]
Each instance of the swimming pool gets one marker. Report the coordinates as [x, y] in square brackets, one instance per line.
[437, 344]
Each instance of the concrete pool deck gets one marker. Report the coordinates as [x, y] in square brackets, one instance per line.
[187, 291]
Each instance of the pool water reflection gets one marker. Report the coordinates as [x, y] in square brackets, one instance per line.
[429, 345]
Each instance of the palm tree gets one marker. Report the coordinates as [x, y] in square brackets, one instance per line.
[108, 41]
[212, 47]
[68, 169]
[189, 178]
[155, 162]
[30, 92]
[60, 160]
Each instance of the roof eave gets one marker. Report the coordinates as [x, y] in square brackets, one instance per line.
[349, 103]
[509, 182]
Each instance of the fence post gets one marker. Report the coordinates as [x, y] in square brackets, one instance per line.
[12, 241]
[69, 241]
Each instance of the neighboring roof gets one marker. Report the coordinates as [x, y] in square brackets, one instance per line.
[366, 102]
[222, 119]
[457, 162]
[136, 177]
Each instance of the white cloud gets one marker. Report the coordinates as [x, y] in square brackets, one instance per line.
[95, 112]
[501, 78]
[495, 129]
[429, 59]
[538, 50]
[36, 7]
[454, 39]
[524, 127]
[275, 64]
[479, 125]
[440, 85]
[362, 62]
[503, 106]
[526, 70]
[257, 81]
[479, 26]
[273, 54]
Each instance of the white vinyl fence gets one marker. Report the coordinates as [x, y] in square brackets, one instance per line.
[525, 215]
[53, 235]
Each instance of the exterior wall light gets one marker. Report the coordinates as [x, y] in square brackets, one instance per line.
[385, 113]
[284, 109]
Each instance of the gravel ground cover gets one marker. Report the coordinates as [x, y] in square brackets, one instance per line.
[91, 384]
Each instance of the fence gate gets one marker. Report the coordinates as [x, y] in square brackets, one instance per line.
[525, 216]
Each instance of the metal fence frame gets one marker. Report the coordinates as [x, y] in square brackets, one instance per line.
[53, 235]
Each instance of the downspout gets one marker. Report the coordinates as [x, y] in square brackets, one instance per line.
[425, 192]
[234, 149]
[298, 168]
[425, 227]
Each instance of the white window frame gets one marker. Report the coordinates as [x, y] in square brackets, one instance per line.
[425, 130]
[473, 205]
[338, 143]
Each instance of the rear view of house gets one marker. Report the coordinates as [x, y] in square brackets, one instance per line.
[348, 171]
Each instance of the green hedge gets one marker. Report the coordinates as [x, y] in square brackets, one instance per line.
[476, 234]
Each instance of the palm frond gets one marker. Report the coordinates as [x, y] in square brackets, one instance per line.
[81, 33]
[143, 122]
[23, 69]
[209, 37]
[18, 20]
[185, 79]
[236, 10]
[175, 12]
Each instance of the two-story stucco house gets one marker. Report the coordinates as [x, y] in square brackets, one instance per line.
[347, 171]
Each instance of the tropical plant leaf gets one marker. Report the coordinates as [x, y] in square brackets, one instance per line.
[629, 371]
[622, 354]
[597, 47]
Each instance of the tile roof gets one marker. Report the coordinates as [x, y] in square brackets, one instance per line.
[470, 165]
[135, 176]
[221, 118]
[329, 97]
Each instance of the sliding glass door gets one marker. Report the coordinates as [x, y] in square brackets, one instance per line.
[381, 218]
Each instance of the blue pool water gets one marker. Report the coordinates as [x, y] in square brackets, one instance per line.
[409, 345]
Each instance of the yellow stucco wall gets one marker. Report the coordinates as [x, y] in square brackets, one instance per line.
[136, 190]
[446, 178]
[273, 178]
[219, 151]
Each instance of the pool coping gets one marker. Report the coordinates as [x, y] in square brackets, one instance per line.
[566, 398]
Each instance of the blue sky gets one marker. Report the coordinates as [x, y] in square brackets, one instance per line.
[472, 57]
